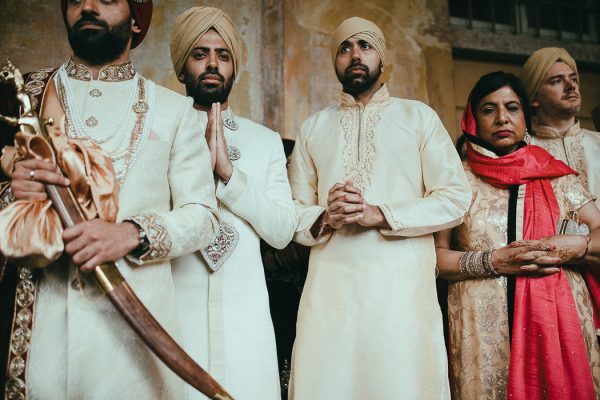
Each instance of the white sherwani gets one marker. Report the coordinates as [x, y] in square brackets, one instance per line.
[81, 348]
[227, 323]
[369, 324]
[578, 148]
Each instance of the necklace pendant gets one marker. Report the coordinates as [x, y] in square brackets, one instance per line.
[230, 123]
[91, 122]
[140, 107]
[234, 153]
[95, 93]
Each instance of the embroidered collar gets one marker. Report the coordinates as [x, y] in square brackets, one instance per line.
[108, 73]
[380, 96]
[548, 132]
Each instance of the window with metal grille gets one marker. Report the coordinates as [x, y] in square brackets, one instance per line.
[569, 20]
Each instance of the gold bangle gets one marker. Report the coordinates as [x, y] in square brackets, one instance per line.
[588, 239]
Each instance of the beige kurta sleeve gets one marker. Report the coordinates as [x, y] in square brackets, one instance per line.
[269, 211]
[192, 223]
[447, 192]
[303, 180]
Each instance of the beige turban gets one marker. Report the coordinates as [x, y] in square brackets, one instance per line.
[194, 23]
[361, 29]
[539, 63]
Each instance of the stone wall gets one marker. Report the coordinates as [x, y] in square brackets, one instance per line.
[286, 71]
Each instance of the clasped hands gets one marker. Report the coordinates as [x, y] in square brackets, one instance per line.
[539, 257]
[217, 145]
[346, 205]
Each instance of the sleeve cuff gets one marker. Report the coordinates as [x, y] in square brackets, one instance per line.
[395, 226]
[6, 195]
[158, 236]
[307, 234]
[231, 192]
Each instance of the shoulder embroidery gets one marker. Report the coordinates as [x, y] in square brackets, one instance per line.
[35, 85]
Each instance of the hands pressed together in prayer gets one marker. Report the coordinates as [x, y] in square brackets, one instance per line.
[346, 205]
[90, 243]
[217, 145]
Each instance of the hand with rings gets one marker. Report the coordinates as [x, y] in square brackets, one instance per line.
[30, 176]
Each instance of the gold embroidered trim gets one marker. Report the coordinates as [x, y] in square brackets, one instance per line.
[20, 336]
[6, 195]
[359, 126]
[36, 82]
[108, 73]
[157, 234]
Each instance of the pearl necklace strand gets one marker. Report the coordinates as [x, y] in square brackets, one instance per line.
[76, 115]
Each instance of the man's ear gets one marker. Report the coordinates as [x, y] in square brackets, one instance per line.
[134, 27]
[181, 77]
[535, 103]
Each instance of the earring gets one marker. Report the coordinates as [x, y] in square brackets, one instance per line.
[527, 137]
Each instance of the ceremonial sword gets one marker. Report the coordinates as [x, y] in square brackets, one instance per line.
[108, 275]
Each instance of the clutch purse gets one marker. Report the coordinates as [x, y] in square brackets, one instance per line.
[569, 225]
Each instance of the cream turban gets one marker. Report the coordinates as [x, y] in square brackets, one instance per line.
[194, 23]
[539, 63]
[362, 29]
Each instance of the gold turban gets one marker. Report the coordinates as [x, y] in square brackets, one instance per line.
[194, 23]
[539, 63]
[362, 29]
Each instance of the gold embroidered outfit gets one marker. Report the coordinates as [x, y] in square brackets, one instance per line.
[477, 308]
[369, 324]
[80, 346]
[578, 148]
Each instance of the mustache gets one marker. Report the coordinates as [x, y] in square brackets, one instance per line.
[211, 71]
[358, 65]
[89, 17]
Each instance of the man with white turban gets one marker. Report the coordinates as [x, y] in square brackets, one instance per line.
[372, 178]
[551, 79]
[222, 294]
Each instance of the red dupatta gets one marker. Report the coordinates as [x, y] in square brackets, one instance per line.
[548, 357]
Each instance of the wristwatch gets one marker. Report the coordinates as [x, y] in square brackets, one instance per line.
[143, 243]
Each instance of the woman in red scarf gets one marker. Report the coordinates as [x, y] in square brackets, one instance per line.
[520, 317]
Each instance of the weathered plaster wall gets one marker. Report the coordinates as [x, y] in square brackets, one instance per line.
[32, 35]
[418, 56]
[286, 72]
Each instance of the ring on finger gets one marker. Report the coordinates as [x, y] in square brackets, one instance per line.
[32, 174]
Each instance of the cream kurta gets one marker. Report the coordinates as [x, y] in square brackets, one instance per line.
[578, 148]
[477, 308]
[228, 325]
[369, 324]
[81, 347]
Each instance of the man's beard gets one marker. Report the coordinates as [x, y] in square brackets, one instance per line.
[559, 109]
[206, 95]
[99, 46]
[354, 84]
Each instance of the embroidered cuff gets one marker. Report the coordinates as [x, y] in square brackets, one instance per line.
[6, 195]
[158, 236]
[230, 193]
[388, 214]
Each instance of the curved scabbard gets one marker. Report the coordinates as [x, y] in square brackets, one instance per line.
[154, 335]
